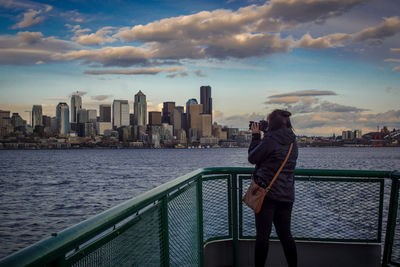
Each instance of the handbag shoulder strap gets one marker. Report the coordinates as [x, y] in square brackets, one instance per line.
[280, 169]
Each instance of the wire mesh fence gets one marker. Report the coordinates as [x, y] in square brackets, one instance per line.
[171, 225]
[183, 227]
[345, 209]
[126, 246]
[216, 208]
[395, 248]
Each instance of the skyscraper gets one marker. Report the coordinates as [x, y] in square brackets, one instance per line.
[120, 113]
[194, 111]
[140, 109]
[105, 113]
[155, 118]
[62, 114]
[176, 119]
[37, 116]
[205, 125]
[82, 116]
[205, 99]
[190, 101]
[76, 104]
[168, 108]
[92, 115]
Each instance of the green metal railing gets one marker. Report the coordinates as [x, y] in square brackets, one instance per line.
[171, 224]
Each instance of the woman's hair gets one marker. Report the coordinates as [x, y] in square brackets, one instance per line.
[278, 119]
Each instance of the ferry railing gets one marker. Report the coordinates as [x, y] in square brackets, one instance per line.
[171, 224]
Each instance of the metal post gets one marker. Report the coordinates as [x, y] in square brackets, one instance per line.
[391, 222]
[164, 242]
[235, 220]
[200, 219]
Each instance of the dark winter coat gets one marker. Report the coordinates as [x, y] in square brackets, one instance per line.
[268, 154]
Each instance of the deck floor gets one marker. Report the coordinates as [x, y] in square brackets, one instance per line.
[318, 254]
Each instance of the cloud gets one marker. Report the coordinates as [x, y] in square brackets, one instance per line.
[199, 73]
[100, 97]
[388, 89]
[100, 37]
[336, 122]
[396, 68]
[241, 121]
[305, 93]
[139, 71]
[307, 101]
[27, 48]
[73, 15]
[30, 18]
[34, 12]
[392, 60]
[388, 28]
[80, 93]
[124, 56]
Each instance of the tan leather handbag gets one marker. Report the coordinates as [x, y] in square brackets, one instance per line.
[255, 194]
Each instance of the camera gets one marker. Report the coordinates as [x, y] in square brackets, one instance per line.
[262, 123]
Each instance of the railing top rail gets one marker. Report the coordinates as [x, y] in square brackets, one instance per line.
[66, 240]
[309, 172]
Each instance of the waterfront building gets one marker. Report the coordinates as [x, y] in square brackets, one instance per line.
[92, 115]
[17, 121]
[82, 116]
[46, 121]
[154, 118]
[190, 101]
[125, 133]
[357, 134]
[218, 132]
[177, 117]
[194, 111]
[5, 123]
[181, 136]
[168, 108]
[76, 104]
[194, 123]
[37, 116]
[62, 114]
[102, 126]
[164, 131]
[120, 113]
[208, 141]
[85, 129]
[347, 135]
[140, 109]
[4, 114]
[105, 113]
[131, 119]
[205, 99]
[232, 132]
[205, 125]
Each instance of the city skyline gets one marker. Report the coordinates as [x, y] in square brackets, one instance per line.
[335, 66]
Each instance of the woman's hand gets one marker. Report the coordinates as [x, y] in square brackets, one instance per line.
[255, 128]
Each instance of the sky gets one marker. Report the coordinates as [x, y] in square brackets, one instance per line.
[334, 64]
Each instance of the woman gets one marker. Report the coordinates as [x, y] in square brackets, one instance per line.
[268, 154]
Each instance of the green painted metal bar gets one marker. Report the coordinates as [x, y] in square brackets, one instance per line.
[200, 220]
[54, 248]
[391, 224]
[380, 216]
[235, 220]
[164, 237]
[240, 208]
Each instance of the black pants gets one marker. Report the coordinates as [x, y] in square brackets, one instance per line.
[280, 214]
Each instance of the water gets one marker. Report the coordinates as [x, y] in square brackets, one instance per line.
[45, 191]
